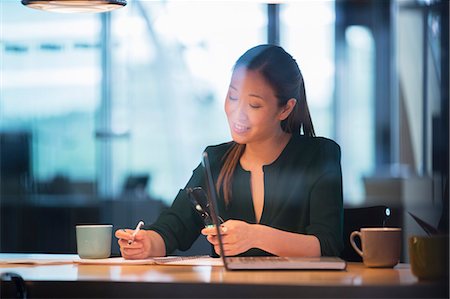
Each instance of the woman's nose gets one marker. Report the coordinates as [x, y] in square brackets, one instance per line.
[242, 112]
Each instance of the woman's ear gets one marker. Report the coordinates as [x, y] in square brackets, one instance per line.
[287, 109]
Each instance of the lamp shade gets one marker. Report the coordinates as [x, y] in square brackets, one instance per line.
[70, 6]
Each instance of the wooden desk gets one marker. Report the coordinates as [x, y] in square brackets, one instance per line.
[357, 281]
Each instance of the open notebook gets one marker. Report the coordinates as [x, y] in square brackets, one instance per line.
[267, 262]
[200, 260]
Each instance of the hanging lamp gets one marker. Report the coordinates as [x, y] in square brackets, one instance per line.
[70, 6]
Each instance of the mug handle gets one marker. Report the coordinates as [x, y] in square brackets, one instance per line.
[352, 242]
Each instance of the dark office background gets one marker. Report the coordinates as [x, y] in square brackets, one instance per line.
[104, 116]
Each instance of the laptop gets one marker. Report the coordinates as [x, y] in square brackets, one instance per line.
[262, 262]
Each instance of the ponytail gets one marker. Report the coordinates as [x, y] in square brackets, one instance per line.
[225, 180]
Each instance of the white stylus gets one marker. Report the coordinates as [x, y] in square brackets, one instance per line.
[136, 230]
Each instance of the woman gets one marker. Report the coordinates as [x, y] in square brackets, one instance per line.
[279, 186]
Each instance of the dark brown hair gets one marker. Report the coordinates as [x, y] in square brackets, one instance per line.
[281, 71]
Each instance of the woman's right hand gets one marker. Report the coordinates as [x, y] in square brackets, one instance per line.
[145, 244]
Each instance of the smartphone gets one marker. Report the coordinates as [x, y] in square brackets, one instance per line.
[198, 198]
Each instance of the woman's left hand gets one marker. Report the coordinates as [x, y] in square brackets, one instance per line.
[237, 237]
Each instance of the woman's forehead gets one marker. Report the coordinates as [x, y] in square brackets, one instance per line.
[251, 81]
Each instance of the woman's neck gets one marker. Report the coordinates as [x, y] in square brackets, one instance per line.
[262, 153]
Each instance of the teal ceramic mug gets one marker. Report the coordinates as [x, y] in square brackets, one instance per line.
[94, 241]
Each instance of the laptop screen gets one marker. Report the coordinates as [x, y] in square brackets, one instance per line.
[212, 199]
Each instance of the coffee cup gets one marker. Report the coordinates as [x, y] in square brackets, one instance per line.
[381, 246]
[94, 241]
[428, 256]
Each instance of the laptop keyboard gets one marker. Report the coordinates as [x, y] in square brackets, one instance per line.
[254, 259]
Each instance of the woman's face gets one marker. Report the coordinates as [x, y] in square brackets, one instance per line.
[252, 108]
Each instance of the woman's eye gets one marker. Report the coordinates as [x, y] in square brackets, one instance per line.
[232, 98]
[255, 106]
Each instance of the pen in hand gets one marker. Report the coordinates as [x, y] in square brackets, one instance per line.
[136, 230]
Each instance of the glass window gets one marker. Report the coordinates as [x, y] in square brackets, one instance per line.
[307, 32]
[50, 91]
[355, 110]
[170, 67]
[172, 64]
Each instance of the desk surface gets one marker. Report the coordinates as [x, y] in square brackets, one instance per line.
[74, 280]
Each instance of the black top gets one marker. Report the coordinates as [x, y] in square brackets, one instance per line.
[302, 194]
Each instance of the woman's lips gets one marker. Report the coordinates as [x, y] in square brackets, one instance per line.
[240, 129]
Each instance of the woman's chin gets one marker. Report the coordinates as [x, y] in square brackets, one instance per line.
[239, 139]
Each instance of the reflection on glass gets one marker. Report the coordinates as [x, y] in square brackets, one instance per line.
[171, 63]
[356, 120]
[50, 92]
[173, 60]
[307, 31]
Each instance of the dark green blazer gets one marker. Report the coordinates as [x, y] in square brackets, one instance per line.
[302, 194]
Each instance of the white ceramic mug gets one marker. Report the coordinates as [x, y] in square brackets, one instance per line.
[381, 246]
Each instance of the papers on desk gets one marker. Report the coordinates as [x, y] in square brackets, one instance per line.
[56, 259]
[37, 259]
